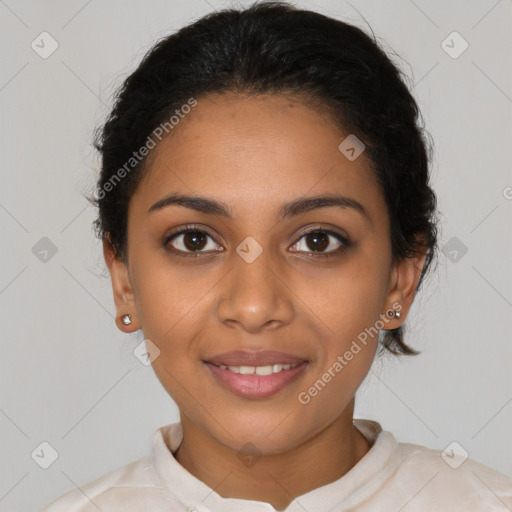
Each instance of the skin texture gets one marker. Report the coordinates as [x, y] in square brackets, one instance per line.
[254, 154]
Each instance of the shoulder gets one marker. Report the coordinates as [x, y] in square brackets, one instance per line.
[450, 481]
[112, 490]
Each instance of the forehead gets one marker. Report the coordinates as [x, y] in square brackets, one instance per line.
[254, 153]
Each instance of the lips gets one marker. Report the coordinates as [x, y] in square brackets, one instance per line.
[260, 358]
[255, 386]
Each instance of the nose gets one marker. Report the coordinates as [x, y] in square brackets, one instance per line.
[254, 296]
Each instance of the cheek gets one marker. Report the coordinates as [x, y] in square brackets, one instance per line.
[173, 308]
[347, 299]
[169, 298]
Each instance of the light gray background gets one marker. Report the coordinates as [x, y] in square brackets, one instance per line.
[69, 377]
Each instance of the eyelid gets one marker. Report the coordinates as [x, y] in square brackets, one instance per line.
[187, 228]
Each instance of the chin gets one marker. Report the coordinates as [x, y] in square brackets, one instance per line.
[270, 434]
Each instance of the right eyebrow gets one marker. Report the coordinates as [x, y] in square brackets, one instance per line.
[200, 204]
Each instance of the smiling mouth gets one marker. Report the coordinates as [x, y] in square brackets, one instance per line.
[268, 369]
[256, 381]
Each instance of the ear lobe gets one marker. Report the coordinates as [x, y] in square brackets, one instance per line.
[121, 286]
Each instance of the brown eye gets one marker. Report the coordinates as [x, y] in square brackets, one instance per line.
[191, 241]
[194, 240]
[319, 240]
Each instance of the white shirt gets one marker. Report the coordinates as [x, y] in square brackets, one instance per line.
[391, 477]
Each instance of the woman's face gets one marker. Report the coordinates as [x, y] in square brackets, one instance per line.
[247, 276]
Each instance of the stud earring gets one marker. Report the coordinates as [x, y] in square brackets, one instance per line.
[392, 313]
[126, 319]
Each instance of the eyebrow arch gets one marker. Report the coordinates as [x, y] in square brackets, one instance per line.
[295, 207]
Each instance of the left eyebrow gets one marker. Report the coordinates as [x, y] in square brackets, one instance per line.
[306, 204]
[293, 208]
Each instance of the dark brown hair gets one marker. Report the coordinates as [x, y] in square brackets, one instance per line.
[274, 47]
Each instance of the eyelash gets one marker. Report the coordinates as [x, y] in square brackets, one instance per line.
[345, 244]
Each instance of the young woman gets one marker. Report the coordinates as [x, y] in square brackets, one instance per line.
[267, 219]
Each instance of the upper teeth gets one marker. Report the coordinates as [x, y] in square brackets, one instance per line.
[259, 370]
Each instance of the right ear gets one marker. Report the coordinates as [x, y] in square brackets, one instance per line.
[122, 287]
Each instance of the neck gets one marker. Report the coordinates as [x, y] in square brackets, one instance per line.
[278, 478]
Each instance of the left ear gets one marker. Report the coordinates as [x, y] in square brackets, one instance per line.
[403, 284]
[124, 298]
